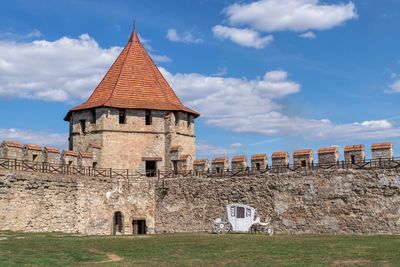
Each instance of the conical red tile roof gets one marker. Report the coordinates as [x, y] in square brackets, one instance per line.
[134, 82]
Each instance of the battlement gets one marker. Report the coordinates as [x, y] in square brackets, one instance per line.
[31, 157]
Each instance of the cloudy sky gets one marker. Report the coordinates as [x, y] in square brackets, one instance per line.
[267, 75]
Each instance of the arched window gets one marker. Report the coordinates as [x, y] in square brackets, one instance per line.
[118, 223]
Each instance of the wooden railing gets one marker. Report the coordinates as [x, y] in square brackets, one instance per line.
[43, 167]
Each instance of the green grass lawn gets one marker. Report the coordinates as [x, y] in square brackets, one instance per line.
[55, 249]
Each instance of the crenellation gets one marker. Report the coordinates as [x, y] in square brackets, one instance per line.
[354, 154]
[303, 158]
[33, 153]
[85, 159]
[259, 162]
[382, 151]
[280, 159]
[239, 163]
[12, 150]
[95, 150]
[328, 155]
[51, 155]
[200, 166]
[69, 158]
[219, 165]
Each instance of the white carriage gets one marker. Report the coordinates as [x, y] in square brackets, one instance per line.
[241, 219]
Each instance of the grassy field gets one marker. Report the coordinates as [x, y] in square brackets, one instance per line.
[54, 249]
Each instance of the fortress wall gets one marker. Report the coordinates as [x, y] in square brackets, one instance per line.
[325, 201]
[37, 202]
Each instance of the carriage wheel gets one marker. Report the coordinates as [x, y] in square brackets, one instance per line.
[270, 231]
[254, 229]
[227, 228]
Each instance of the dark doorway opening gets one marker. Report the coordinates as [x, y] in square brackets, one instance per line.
[139, 227]
[175, 166]
[353, 159]
[151, 168]
[258, 166]
[303, 163]
[118, 223]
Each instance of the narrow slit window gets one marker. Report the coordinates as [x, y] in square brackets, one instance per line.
[122, 116]
[93, 116]
[83, 126]
[176, 118]
[189, 120]
[148, 119]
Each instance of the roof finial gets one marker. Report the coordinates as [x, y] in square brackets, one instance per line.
[134, 35]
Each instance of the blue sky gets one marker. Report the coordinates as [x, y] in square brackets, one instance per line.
[265, 75]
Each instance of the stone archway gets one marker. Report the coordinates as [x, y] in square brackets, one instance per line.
[118, 223]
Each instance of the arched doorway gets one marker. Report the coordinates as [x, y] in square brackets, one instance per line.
[118, 223]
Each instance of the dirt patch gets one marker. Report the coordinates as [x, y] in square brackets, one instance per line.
[3, 238]
[351, 262]
[113, 257]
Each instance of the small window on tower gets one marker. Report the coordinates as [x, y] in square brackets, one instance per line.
[148, 117]
[93, 116]
[176, 118]
[189, 120]
[122, 116]
[83, 126]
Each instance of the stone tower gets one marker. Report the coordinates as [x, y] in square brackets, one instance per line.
[134, 118]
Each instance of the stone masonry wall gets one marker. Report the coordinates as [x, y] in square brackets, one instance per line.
[37, 202]
[329, 201]
[323, 201]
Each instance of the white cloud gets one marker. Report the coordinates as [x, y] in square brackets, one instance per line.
[244, 37]
[308, 35]
[204, 149]
[251, 106]
[66, 69]
[35, 137]
[63, 70]
[186, 37]
[219, 97]
[290, 15]
[160, 58]
[393, 88]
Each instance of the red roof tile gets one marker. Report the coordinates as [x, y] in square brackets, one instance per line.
[175, 148]
[184, 157]
[259, 157]
[151, 159]
[303, 152]
[70, 153]
[386, 145]
[11, 143]
[219, 160]
[96, 146]
[279, 155]
[134, 82]
[354, 148]
[51, 149]
[200, 161]
[239, 159]
[328, 150]
[86, 154]
[33, 147]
